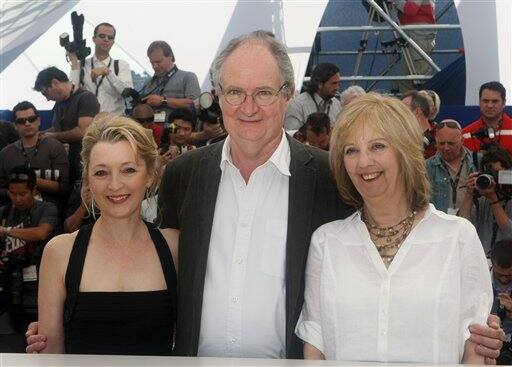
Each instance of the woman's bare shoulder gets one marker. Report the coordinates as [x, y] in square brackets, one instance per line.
[59, 247]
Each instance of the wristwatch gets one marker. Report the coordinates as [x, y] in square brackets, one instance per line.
[164, 102]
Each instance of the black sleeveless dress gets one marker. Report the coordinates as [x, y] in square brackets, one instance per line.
[135, 323]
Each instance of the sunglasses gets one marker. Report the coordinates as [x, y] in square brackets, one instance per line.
[452, 124]
[103, 36]
[18, 176]
[22, 120]
[143, 120]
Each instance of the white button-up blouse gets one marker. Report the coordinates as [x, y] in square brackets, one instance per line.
[417, 310]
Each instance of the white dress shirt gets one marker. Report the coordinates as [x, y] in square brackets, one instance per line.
[110, 89]
[244, 301]
[418, 310]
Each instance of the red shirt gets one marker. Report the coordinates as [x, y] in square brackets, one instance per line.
[158, 130]
[503, 134]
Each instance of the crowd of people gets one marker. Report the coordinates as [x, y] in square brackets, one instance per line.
[284, 226]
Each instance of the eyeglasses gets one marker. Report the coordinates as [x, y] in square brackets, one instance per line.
[18, 176]
[452, 124]
[262, 97]
[143, 120]
[22, 120]
[103, 36]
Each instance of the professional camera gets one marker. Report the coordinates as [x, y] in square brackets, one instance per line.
[133, 94]
[501, 179]
[487, 137]
[11, 278]
[78, 45]
[209, 108]
[428, 139]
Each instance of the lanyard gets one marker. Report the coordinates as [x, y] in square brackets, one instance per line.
[161, 85]
[318, 107]
[25, 154]
[454, 183]
[102, 77]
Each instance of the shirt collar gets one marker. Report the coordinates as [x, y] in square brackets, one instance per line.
[319, 99]
[96, 60]
[280, 158]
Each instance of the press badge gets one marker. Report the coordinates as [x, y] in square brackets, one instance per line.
[29, 273]
[159, 116]
[453, 211]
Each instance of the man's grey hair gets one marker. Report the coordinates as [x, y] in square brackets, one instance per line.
[265, 38]
[351, 92]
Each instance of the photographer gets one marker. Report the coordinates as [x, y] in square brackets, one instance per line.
[491, 212]
[494, 127]
[419, 102]
[46, 156]
[26, 225]
[170, 87]
[102, 75]
[72, 114]
[502, 289]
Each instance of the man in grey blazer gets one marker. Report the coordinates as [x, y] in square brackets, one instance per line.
[217, 307]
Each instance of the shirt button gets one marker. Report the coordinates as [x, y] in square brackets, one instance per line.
[239, 260]
[233, 340]
[234, 299]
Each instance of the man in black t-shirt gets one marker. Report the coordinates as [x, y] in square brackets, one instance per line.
[26, 225]
[72, 114]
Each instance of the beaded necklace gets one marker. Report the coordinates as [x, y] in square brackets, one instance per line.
[389, 239]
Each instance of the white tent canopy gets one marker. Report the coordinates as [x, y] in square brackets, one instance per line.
[197, 30]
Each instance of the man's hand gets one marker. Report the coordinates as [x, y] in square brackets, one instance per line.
[154, 100]
[171, 153]
[99, 71]
[488, 339]
[73, 59]
[471, 182]
[212, 130]
[49, 134]
[35, 342]
[506, 302]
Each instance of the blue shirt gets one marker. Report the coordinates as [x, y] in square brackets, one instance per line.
[439, 178]
[507, 322]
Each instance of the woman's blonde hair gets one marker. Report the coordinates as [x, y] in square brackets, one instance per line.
[113, 129]
[391, 119]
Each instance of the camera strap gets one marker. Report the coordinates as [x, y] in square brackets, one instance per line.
[102, 77]
[161, 85]
[35, 150]
[318, 109]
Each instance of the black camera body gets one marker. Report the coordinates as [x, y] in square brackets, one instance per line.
[78, 45]
[209, 109]
[487, 137]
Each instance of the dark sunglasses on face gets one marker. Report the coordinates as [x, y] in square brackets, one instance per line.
[18, 176]
[103, 36]
[143, 120]
[22, 120]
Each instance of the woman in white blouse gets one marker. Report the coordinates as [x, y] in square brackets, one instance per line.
[398, 281]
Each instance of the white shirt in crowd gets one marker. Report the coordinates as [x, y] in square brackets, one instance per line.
[110, 89]
[418, 310]
[244, 301]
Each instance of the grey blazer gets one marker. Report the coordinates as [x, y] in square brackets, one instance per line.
[187, 200]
